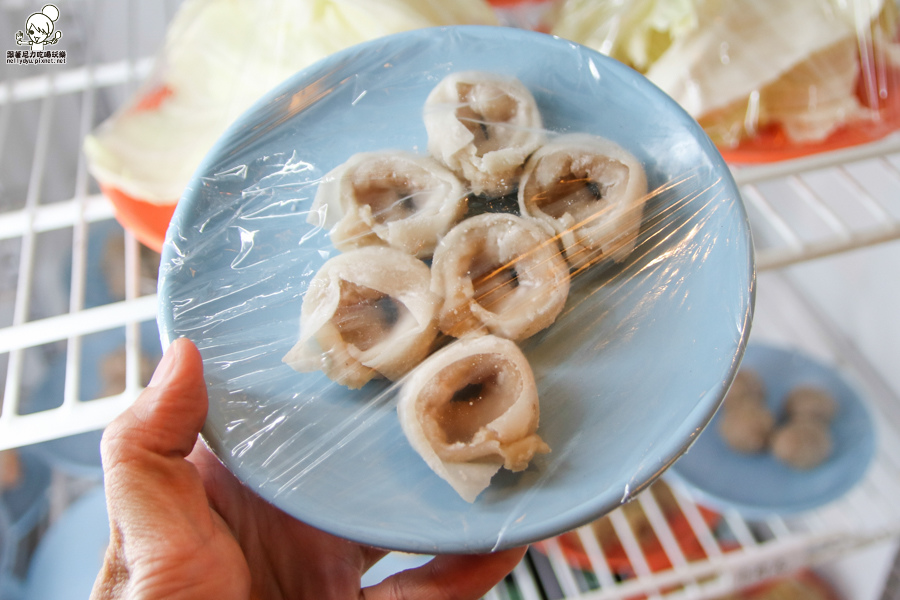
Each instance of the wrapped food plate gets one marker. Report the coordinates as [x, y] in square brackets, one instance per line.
[626, 371]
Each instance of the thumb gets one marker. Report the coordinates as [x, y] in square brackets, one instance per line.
[164, 538]
[452, 577]
[168, 415]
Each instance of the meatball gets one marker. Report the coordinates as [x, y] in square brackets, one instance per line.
[746, 427]
[803, 444]
[748, 387]
[809, 402]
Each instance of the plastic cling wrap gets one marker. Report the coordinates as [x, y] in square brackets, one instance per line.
[767, 79]
[219, 57]
[495, 387]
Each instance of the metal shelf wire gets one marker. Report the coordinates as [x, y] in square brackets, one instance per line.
[823, 204]
[800, 210]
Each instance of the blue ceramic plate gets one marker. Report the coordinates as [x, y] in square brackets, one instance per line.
[70, 554]
[760, 485]
[6, 549]
[66, 562]
[629, 374]
[28, 500]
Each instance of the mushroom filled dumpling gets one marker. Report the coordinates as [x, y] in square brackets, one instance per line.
[367, 313]
[590, 191]
[470, 409]
[483, 126]
[499, 273]
[389, 198]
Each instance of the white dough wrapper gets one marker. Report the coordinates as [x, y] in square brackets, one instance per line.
[483, 126]
[391, 198]
[471, 408]
[367, 313]
[590, 191]
[499, 273]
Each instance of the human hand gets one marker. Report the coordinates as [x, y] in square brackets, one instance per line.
[182, 526]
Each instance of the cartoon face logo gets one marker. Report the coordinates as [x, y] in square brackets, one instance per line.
[39, 29]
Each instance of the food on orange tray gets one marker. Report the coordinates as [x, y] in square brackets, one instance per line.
[802, 585]
[760, 76]
[219, 57]
[611, 546]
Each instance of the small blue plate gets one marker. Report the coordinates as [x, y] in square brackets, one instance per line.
[760, 485]
[28, 501]
[629, 374]
[70, 554]
[7, 550]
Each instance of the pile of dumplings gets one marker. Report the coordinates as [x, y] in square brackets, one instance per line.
[426, 293]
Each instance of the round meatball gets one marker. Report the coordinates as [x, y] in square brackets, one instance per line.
[809, 402]
[802, 444]
[747, 387]
[746, 427]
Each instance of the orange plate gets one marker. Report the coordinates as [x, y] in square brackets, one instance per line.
[146, 221]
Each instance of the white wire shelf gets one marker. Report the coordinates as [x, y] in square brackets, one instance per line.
[799, 211]
[823, 204]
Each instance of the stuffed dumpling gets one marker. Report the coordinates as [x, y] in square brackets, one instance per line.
[499, 273]
[367, 313]
[389, 198]
[483, 126]
[590, 191]
[470, 409]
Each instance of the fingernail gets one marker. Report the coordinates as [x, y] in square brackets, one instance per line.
[165, 366]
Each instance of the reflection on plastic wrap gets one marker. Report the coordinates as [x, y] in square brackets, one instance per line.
[630, 345]
[768, 80]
